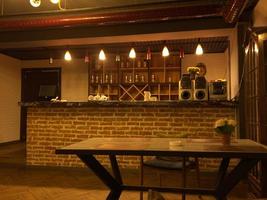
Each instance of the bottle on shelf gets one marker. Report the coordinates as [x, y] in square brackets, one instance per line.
[110, 78]
[96, 79]
[106, 78]
[136, 78]
[142, 78]
[153, 78]
[92, 79]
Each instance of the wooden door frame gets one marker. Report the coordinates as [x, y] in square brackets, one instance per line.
[23, 111]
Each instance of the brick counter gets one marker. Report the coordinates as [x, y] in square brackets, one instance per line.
[49, 128]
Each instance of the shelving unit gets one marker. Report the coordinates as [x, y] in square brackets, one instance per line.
[127, 79]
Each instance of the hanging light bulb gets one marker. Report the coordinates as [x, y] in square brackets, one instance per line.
[165, 52]
[54, 1]
[132, 53]
[35, 3]
[199, 49]
[102, 55]
[67, 56]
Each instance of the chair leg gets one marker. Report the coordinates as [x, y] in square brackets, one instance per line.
[184, 177]
[141, 176]
[198, 175]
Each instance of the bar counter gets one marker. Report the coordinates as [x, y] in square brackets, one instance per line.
[131, 104]
[52, 125]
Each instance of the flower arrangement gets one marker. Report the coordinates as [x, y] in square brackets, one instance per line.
[193, 70]
[225, 126]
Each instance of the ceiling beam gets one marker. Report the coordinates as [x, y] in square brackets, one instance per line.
[109, 18]
[233, 9]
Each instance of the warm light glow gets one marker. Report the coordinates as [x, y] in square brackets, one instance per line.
[256, 48]
[102, 55]
[165, 52]
[261, 36]
[199, 50]
[54, 1]
[67, 56]
[247, 49]
[132, 53]
[35, 3]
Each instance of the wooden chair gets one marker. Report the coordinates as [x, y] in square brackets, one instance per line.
[170, 164]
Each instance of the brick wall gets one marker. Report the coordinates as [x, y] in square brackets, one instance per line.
[49, 128]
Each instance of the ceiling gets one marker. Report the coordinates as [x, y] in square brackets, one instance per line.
[210, 45]
[19, 22]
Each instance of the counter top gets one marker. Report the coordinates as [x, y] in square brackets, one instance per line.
[132, 104]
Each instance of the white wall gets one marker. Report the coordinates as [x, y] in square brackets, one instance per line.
[74, 77]
[10, 83]
[216, 64]
[260, 14]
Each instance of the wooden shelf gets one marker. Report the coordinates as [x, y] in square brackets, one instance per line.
[134, 91]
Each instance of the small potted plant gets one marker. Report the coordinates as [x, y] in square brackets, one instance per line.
[193, 71]
[225, 127]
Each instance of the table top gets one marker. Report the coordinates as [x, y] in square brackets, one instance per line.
[239, 148]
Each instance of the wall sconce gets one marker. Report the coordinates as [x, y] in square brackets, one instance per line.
[132, 54]
[102, 55]
[165, 52]
[67, 56]
[199, 49]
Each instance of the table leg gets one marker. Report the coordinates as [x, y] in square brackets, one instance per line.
[115, 168]
[100, 171]
[229, 182]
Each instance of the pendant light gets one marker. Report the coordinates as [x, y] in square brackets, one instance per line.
[132, 53]
[199, 49]
[165, 52]
[102, 55]
[67, 56]
[35, 3]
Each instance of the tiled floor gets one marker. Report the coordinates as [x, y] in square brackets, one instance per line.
[18, 182]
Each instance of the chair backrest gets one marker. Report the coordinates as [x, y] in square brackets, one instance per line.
[154, 195]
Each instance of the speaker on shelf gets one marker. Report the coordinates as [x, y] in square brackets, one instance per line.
[185, 88]
[200, 89]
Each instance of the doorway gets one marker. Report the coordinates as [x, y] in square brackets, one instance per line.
[38, 84]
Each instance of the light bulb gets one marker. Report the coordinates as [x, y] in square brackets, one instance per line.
[35, 3]
[54, 1]
[165, 52]
[199, 50]
[102, 55]
[132, 53]
[67, 56]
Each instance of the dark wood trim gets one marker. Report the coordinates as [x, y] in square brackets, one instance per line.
[114, 30]
[241, 31]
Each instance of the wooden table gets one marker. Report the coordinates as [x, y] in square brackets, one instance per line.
[248, 151]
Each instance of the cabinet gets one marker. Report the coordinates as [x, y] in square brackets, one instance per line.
[122, 78]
